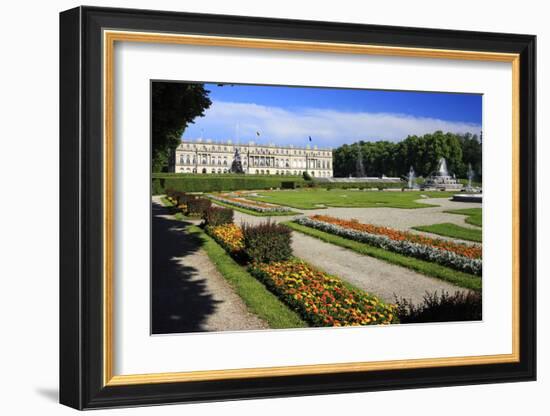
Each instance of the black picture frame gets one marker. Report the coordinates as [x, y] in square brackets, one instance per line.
[81, 241]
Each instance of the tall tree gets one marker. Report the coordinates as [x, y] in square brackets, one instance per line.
[421, 152]
[174, 106]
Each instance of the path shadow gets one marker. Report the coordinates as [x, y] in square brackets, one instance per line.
[180, 300]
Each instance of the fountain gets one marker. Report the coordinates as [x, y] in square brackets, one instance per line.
[412, 179]
[441, 179]
[359, 167]
[470, 176]
[473, 194]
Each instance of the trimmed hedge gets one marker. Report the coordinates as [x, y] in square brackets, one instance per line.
[161, 182]
[157, 187]
[214, 216]
[267, 242]
[198, 206]
[217, 183]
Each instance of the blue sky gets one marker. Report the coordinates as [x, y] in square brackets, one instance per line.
[331, 116]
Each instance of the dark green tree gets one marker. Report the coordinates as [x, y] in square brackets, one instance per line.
[174, 106]
[422, 152]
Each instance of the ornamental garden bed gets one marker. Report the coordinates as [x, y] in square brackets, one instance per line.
[461, 257]
[259, 207]
[319, 298]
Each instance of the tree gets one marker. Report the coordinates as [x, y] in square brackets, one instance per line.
[422, 152]
[174, 106]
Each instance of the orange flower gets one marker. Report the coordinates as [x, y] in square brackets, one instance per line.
[470, 251]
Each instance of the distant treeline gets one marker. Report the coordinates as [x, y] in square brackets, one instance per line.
[421, 152]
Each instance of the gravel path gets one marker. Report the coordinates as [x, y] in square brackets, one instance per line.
[189, 294]
[368, 273]
[401, 219]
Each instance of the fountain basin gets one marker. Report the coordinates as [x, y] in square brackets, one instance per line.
[468, 198]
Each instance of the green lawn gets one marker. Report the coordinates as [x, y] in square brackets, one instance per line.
[316, 198]
[474, 215]
[430, 269]
[256, 213]
[255, 295]
[452, 230]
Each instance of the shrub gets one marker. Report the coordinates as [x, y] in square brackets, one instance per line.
[267, 242]
[183, 198]
[444, 308]
[198, 206]
[288, 185]
[214, 216]
[306, 176]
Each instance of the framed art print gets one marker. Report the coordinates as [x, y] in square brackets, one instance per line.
[257, 207]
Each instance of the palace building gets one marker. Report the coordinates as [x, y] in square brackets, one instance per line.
[210, 157]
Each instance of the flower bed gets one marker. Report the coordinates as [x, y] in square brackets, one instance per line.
[250, 205]
[229, 236]
[462, 258]
[470, 251]
[321, 299]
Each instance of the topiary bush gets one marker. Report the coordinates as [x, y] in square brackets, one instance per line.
[215, 216]
[267, 242]
[441, 308]
[198, 206]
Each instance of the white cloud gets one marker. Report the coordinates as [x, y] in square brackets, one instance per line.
[327, 127]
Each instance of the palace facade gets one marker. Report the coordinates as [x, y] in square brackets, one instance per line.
[209, 157]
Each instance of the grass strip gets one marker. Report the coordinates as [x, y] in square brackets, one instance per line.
[474, 215]
[461, 279]
[256, 213]
[452, 230]
[255, 295]
[166, 202]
